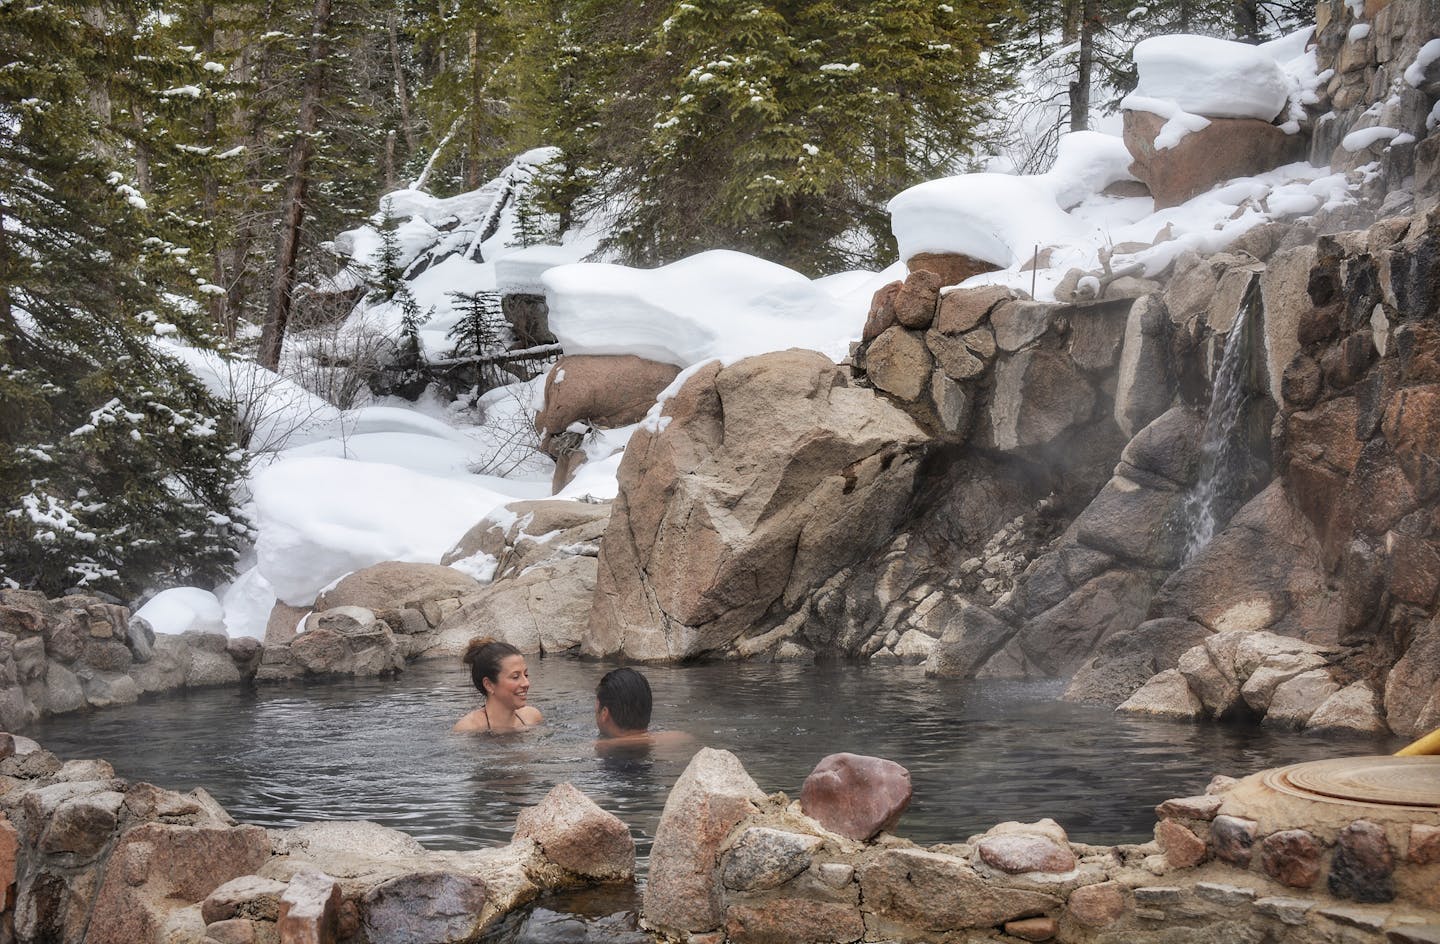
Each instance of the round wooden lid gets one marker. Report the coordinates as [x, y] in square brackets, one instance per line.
[1390, 781]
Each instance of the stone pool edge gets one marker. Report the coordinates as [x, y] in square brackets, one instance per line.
[88, 856]
[1242, 862]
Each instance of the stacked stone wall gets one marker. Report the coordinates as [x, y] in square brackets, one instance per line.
[88, 856]
[1241, 862]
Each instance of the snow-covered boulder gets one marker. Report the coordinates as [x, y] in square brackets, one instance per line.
[1086, 163]
[996, 218]
[1176, 168]
[182, 609]
[716, 304]
[519, 272]
[1211, 77]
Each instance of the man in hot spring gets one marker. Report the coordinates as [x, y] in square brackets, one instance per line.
[623, 705]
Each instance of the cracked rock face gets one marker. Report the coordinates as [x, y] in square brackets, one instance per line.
[763, 480]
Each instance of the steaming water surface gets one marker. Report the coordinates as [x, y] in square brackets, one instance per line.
[978, 752]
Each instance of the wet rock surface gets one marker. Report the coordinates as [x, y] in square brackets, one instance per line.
[85, 855]
[1211, 876]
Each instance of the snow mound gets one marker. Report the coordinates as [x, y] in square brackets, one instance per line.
[184, 609]
[1086, 164]
[321, 518]
[1211, 77]
[716, 304]
[997, 218]
[277, 411]
[519, 272]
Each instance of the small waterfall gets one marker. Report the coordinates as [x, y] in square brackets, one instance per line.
[1225, 458]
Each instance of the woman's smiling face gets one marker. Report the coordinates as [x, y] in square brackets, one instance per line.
[512, 686]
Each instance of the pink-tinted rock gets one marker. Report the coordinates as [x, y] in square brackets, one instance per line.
[792, 920]
[1019, 853]
[1032, 929]
[156, 868]
[605, 391]
[1424, 846]
[962, 309]
[952, 267]
[1291, 857]
[709, 800]
[9, 849]
[579, 836]
[882, 312]
[899, 363]
[309, 909]
[248, 896]
[1096, 906]
[855, 795]
[767, 470]
[1226, 148]
[1182, 847]
[935, 892]
[1233, 839]
[1363, 866]
[916, 301]
[1196, 807]
[231, 931]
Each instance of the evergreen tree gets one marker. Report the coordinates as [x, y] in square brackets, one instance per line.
[115, 470]
[465, 99]
[785, 126]
[387, 277]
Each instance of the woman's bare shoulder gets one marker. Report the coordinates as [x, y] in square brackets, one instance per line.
[474, 721]
[530, 715]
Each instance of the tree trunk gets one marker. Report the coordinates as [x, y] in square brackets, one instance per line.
[297, 180]
[1069, 20]
[472, 154]
[402, 93]
[8, 329]
[1080, 88]
[390, 175]
[210, 186]
[1247, 21]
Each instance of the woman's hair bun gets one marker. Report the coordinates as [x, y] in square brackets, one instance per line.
[474, 647]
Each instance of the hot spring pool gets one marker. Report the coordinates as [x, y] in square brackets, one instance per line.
[978, 752]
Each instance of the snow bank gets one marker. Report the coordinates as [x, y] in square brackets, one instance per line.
[997, 218]
[716, 304]
[248, 602]
[1086, 164]
[1211, 77]
[321, 518]
[277, 411]
[182, 609]
[519, 272]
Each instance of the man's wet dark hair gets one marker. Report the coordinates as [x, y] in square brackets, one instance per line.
[627, 694]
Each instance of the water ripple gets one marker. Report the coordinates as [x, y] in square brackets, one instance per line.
[382, 750]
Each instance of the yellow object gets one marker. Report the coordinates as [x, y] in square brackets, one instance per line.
[1429, 744]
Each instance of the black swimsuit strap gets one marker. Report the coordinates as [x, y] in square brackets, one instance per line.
[485, 709]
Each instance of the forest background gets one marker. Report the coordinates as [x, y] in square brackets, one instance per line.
[176, 168]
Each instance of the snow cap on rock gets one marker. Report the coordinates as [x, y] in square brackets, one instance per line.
[1211, 77]
[997, 218]
[719, 303]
